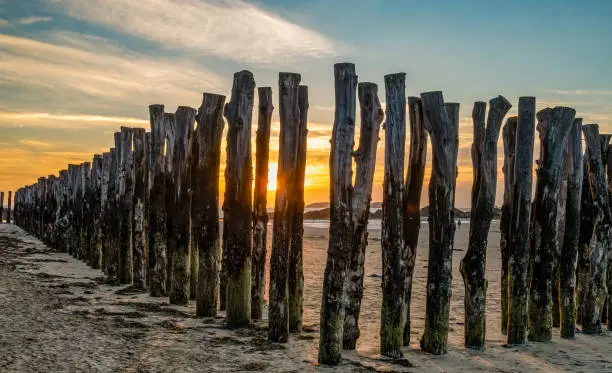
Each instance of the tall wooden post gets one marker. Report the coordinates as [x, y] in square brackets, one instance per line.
[179, 205]
[96, 211]
[139, 241]
[238, 200]
[260, 214]
[341, 219]
[157, 204]
[609, 274]
[278, 314]
[554, 126]
[207, 139]
[571, 234]
[125, 206]
[484, 158]
[509, 139]
[104, 209]
[365, 159]
[412, 197]
[522, 139]
[595, 289]
[392, 235]
[443, 134]
[295, 278]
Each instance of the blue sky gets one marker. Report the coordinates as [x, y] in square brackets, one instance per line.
[72, 71]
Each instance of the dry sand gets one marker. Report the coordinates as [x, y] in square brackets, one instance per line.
[58, 315]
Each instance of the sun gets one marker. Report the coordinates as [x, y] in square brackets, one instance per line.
[272, 167]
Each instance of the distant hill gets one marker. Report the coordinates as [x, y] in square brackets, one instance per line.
[317, 205]
[459, 214]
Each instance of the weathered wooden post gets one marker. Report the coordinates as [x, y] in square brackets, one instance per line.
[295, 279]
[595, 289]
[341, 220]
[569, 251]
[207, 138]
[178, 207]
[104, 207]
[260, 214]
[139, 240]
[412, 197]
[521, 139]
[8, 207]
[85, 212]
[443, 134]
[1, 206]
[96, 211]
[554, 126]
[505, 221]
[157, 204]
[125, 206]
[289, 112]
[392, 235]
[62, 216]
[472, 267]
[365, 159]
[170, 125]
[609, 274]
[238, 200]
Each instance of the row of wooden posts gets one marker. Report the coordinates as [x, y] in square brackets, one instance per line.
[8, 207]
[146, 212]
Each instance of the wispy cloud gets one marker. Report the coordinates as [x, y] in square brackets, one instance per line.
[75, 78]
[229, 29]
[582, 92]
[34, 143]
[67, 120]
[24, 21]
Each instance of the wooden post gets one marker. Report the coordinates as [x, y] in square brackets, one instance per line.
[392, 235]
[443, 134]
[85, 213]
[104, 212]
[96, 211]
[472, 267]
[62, 219]
[157, 204]
[412, 198]
[207, 139]
[505, 222]
[179, 213]
[125, 206]
[365, 158]
[295, 279]
[521, 140]
[609, 274]
[289, 112]
[1, 206]
[341, 221]
[569, 251]
[139, 241]
[8, 207]
[238, 200]
[260, 214]
[595, 290]
[559, 237]
[554, 126]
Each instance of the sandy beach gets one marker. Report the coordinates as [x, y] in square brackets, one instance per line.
[58, 315]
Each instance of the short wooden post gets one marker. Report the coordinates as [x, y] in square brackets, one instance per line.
[505, 221]
[472, 267]
[554, 126]
[260, 214]
[1, 206]
[139, 241]
[571, 234]
[295, 278]
[157, 204]
[289, 112]
[8, 207]
[443, 133]
[365, 158]
[178, 207]
[595, 289]
[125, 206]
[412, 198]
[341, 220]
[392, 235]
[522, 139]
[238, 200]
[207, 139]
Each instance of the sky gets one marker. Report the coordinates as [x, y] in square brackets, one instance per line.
[73, 71]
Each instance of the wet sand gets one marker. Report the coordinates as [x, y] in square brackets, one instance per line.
[58, 315]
